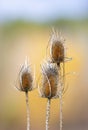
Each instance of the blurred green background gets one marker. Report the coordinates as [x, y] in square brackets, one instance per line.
[25, 28]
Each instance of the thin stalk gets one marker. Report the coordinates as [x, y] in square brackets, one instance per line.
[61, 112]
[28, 113]
[60, 96]
[48, 113]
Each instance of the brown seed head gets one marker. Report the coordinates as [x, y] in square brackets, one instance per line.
[57, 50]
[49, 80]
[25, 78]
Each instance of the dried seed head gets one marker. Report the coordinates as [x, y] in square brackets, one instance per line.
[49, 80]
[57, 50]
[25, 78]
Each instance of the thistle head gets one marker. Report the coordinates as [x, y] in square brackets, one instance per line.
[49, 83]
[25, 79]
[57, 50]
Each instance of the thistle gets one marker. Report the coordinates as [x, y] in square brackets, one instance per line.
[25, 84]
[57, 54]
[57, 49]
[49, 86]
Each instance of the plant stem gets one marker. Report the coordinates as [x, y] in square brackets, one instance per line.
[48, 113]
[60, 96]
[28, 113]
[61, 113]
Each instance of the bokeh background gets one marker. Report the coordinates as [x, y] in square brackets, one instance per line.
[25, 28]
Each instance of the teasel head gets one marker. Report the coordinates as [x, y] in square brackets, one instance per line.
[57, 49]
[25, 78]
[49, 80]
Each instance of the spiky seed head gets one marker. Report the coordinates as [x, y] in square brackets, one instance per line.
[57, 50]
[49, 80]
[25, 78]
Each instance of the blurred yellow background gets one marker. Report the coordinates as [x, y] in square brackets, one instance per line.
[20, 38]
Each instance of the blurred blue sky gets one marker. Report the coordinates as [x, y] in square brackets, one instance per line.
[42, 10]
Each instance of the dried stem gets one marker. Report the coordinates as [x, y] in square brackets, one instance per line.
[61, 113]
[60, 96]
[48, 113]
[28, 113]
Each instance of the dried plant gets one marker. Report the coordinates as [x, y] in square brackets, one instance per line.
[52, 83]
[25, 84]
[48, 87]
[57, 48]
[57, 54]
